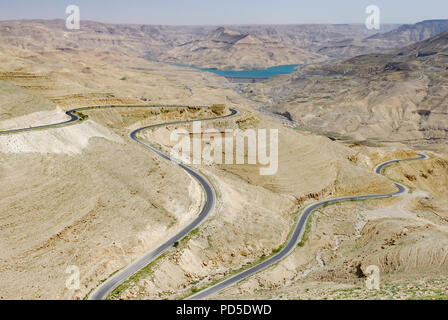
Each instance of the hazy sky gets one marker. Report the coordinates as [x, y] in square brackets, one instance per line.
[196, 12]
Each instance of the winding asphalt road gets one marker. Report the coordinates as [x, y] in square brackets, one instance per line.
[298, 233]
[108, 286]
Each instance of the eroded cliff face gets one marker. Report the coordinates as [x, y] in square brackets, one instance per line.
[388, 97]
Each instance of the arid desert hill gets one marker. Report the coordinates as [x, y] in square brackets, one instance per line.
[400, 96]
[238, 47]
[131, 39]
[229, 49]
[271, 45]
[384, 41]
[414, 32]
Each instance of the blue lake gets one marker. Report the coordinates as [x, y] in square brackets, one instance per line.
[261, 73]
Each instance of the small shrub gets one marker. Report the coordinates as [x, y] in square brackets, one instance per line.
[218, 108]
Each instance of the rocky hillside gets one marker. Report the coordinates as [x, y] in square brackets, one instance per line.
[268, 45]
[437, 45]
[130, 39]
[399, 96]
[229, 49]
[414, 32]
[311, 37]
[380, 42]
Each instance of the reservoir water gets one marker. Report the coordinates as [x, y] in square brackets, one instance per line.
[254, 74]
[250, 74]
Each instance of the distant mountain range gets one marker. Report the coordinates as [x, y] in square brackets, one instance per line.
[436, 45]
[396, 96]
[414, 32]
[400, 37]
[234, 47]
[225, 48]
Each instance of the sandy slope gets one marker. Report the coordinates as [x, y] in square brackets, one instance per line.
[255, 214]
[85, 195]
[405, 237]
[86, 182]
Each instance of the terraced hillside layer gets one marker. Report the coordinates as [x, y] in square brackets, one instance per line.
[400, 96]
